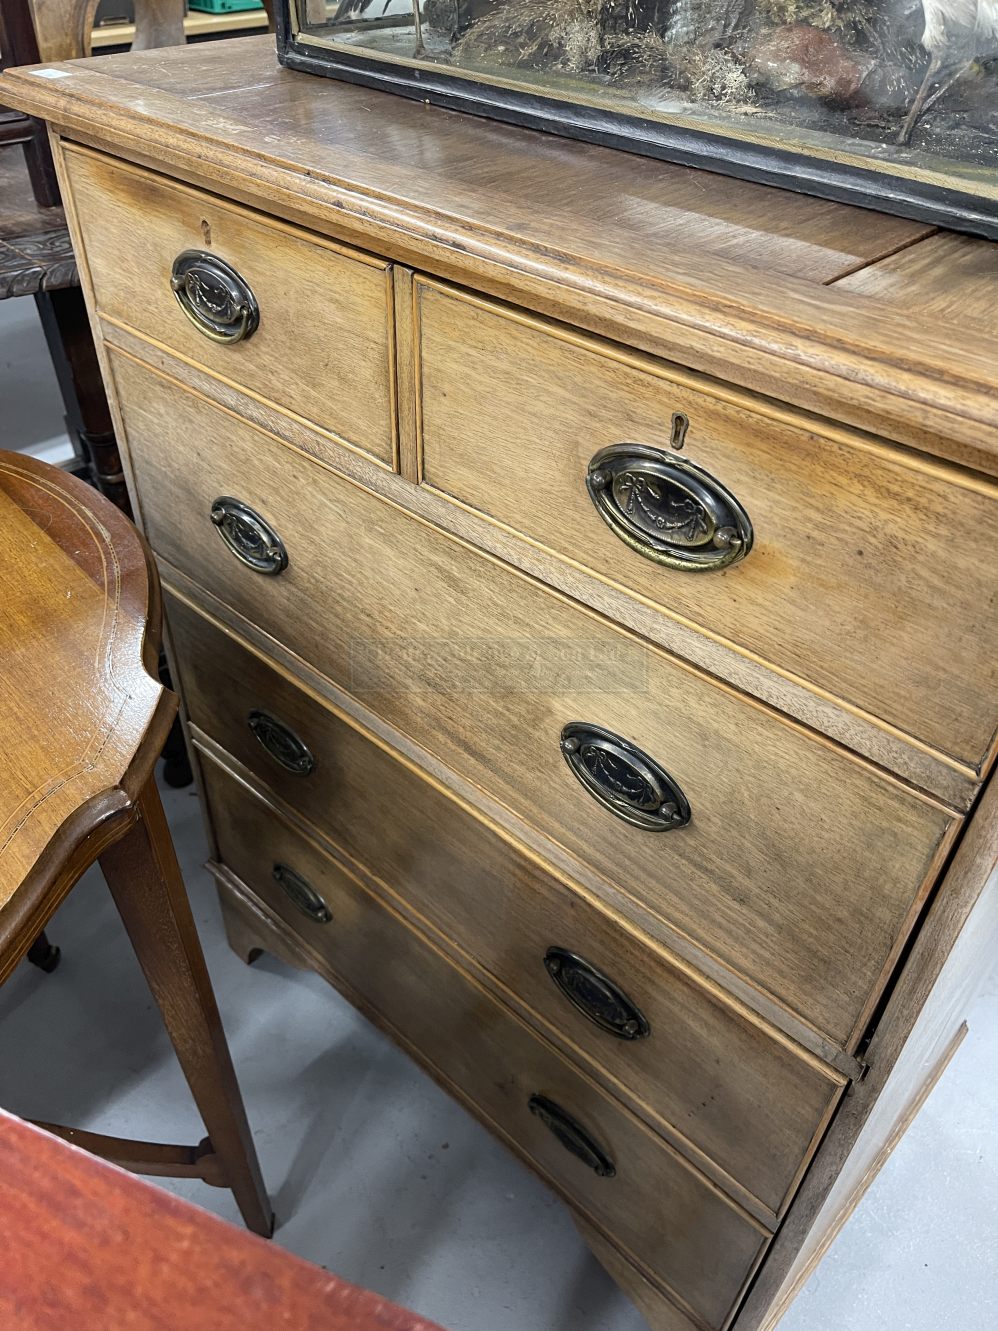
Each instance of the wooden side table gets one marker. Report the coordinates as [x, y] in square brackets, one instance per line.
[136, 1259]
[83, 719]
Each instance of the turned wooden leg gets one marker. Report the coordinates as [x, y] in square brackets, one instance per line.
[42, 954]
[66, 326]
[144, 877]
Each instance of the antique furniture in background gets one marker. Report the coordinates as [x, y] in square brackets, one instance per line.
[579, 575]
[36, 254]
[129, 1255]
[198, 25]
[84, 720]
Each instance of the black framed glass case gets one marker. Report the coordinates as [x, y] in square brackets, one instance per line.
[892, 104]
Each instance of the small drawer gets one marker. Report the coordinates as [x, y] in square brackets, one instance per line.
[631, 1184]
[865, 571]
[740, 1101]
[295, 319]
[799, 866]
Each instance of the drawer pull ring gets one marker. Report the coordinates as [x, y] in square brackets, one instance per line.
[302, 894]
[572, 1136]
[595, 995]
[214, 297]
[281, 743]
[623, 779]
[248, 536]
[668, 509]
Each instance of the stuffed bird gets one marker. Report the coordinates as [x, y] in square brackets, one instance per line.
[957, 32]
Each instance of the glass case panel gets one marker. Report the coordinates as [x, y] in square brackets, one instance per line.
[907, 89]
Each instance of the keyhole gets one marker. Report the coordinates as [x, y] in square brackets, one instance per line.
[680, 424]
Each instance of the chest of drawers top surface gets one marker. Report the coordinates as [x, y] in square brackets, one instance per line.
[877, 321]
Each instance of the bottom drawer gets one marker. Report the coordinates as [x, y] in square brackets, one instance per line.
[631, 1185]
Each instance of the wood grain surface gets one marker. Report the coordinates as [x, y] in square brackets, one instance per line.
[740, 1101]
[947, 279]
[132, 1257]
[658, 1312]
[483, 667]
[323, 349]
[954, 783]
[442, 160]
[558, 860]
[858, 581]
[950, 963]
[81, 704]
[604, 240]
[657, 1208]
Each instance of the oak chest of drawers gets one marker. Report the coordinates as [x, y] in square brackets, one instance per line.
[580, 579]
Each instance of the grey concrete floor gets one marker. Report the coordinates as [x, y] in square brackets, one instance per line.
[379, 1176]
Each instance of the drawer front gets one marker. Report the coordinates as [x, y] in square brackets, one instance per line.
[655, 1206]
[800, 867]
[869, 574]
[715, 1080]
[323, 345]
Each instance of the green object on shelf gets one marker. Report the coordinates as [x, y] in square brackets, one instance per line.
[224, 6]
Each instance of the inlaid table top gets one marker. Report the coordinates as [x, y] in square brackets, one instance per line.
[79, 643]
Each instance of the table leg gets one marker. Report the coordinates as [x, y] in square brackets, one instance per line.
[145, 881]
[42, 954]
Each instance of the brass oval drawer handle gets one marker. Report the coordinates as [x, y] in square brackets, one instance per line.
[281, 743]
[572, 1135]
[623, 779]
[249, 536]
[595, 995]
[218, 302]
[302, 894]
[667, 509]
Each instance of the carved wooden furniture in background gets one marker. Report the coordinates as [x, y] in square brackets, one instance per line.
[36, 254]
[131, 1255]
[578, 575]
[83, 722]
[64, 28]
[198, 24]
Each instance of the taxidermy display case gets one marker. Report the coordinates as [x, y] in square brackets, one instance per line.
[888, 103]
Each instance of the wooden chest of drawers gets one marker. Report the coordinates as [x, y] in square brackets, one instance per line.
[585, 621]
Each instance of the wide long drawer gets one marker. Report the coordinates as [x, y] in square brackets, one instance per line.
[638, 1191]
[714, 1081]
[867, 575]
[800, 867]
[322, 347]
